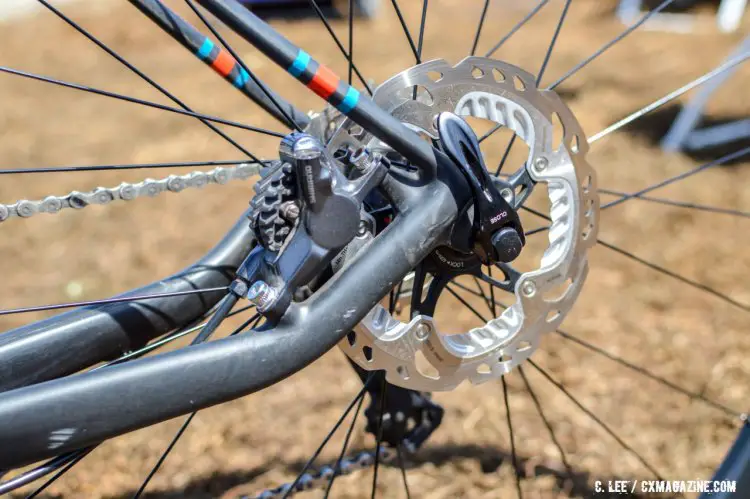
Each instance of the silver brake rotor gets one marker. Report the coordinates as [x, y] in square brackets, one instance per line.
[507, 95]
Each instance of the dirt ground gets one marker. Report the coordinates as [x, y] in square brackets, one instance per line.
[684, 335]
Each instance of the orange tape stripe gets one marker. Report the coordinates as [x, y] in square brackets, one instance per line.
[324, 82]
[223, 63]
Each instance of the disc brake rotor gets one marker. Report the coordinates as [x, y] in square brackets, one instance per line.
[504, 94]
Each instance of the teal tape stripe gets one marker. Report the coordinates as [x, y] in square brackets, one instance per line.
[350, 101]
[242, 77]
[300, 64]
[205, 50]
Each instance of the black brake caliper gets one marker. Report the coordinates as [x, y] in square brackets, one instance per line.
[498, 235]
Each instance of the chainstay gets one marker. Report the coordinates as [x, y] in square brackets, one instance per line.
[130, 191]
[319, 479]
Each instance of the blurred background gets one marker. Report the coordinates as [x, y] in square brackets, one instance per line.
[676, 332]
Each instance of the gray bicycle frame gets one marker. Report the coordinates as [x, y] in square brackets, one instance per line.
[43, 414]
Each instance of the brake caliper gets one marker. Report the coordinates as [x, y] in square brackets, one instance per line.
[322, 217]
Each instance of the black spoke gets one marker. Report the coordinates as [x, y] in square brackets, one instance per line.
[244, 66]
[58, 306]
[328, 437]
[141, 74]
[546, 422]
[400, 457]
[653, 266]
[645, 372]
[681, 176]
[337, 468]
[465, 303]
[598, 421]
[75, 460]
[125, 166]
[205, 334]
[406, 31]
[492, 293]
[105, 93]
[518, 26]
[674, 275]
[539, 76]
[513, 454]
[479, 27]
[609, 44]
[348, 55]
[490, 303]
[680, 204]
[379, 437]
[422, 24]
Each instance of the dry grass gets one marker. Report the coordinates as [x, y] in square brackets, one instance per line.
[682, 334]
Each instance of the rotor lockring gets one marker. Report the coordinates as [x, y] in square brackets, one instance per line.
[472, 88]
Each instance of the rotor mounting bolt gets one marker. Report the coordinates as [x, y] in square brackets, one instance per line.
[528, 289]
[507, 243]
[422, 332]
[261, 294]
[507, 194]
[540, 164]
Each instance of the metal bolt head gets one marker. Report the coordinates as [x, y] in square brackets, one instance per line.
[528, 288]
[289, 211]
[261, 294]
[507, 243]
[507, 195]
[540, 164]
[422, 331]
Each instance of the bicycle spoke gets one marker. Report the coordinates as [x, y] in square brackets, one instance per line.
[598, 421]
[337, 468]
[658, 268]
[244, 66]
[465, 303]
[645, 372]
[609, 44]
[400, 457]
[513, 455]
[142, 75]
[422, 24]
[479, 27]
[379, 438]
[406, 31]
[204, 336]
[679, 204]
[540, 75]
[328, 437]
[483, 295]
[668, 98]
[545, 421]
[80, 455]
[134, 100]
[348, 56]
[41, 308]
[518, 26]
[125, 166]
[681, 176]
[674, 275]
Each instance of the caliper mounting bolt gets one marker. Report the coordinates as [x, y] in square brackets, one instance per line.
[261, 294]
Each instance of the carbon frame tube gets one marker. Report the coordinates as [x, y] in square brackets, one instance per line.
[69, 342]
[82, 410]
[220, 60]
[324, 82]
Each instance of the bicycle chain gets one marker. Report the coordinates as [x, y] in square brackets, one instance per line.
[128, 191]
[320, 479]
